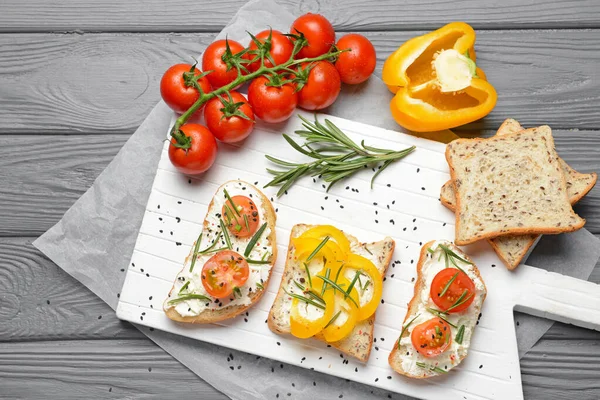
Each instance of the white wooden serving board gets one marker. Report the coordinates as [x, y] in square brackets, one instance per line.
[404, 205]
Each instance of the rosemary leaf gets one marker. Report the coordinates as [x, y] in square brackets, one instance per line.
[448, 285]
[308, 274]
[317, 249]
[195, 253]
[430, 367]
[305, 299]
[225, 234]
[232, 203]
[441, 315]
[405, 327]
[332, 320]
[461, 300]
[247, 222]
[188, 297]
[185, 286]
[338, 288]
[254, 239]
[460, 335]
[259, 285]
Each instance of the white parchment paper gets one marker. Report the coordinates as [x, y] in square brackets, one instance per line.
[95, 238]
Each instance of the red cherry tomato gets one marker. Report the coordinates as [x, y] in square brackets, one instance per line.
[322, 87]
[270, 103]
[225, 120]
[176, 93]
[243, 220]
[281, 49]
[200, 156]
[429, 341]
[216, 60]
[357, 65]
[223, 272]
[318, 32]
[460, 284]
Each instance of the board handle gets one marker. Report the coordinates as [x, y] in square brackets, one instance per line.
[558, 297]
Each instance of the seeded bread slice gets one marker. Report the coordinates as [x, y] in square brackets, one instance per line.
[212, 316]
[402, 352]
[512, 249]
[358, 344]
[509, 185]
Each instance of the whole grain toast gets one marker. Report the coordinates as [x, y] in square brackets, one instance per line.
[509, 185]
[512, 249]
[211, 316]
[399, 352]
[358, 344]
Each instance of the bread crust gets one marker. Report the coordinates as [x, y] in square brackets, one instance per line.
[212, 316]
[514, 230]
[395, 357]
[360, 342]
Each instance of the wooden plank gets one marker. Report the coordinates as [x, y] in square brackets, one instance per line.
[206, 15]
[40, 184]
[107, 83]
[63, 350]
[110, 368]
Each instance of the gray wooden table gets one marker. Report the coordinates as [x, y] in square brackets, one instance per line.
[77, 78]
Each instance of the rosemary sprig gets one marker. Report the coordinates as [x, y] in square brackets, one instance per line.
[225, 234]
[332, 320]
[208, 250]
[441, 315]
[460, 334]
[188, 297]
[305, 299]
[317, 249]
[448, 285]
[430, 367]
[338, 288]
[335, 156]
[254, 239]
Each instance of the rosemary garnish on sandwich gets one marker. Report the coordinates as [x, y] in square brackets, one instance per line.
[430, 367]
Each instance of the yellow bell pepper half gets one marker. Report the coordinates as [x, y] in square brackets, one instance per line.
[436, 81]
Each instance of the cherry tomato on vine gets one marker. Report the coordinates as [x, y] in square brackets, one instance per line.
[322, 85]
[432, 337]
[176, 87]
[272, 104]
[281, 49]
[197, 149]
[357, 65]
[223, 272]
[242, 221]
[318, 31]
[222, 62]
[231, 121]
[447, 299]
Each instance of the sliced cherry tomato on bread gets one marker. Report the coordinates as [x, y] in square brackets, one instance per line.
[432, 337]
[223, 272]
[241, 217]
[456, 296]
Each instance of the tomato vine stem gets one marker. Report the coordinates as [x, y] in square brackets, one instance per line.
[241, 79]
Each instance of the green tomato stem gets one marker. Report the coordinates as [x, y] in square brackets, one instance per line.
[241, 79]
